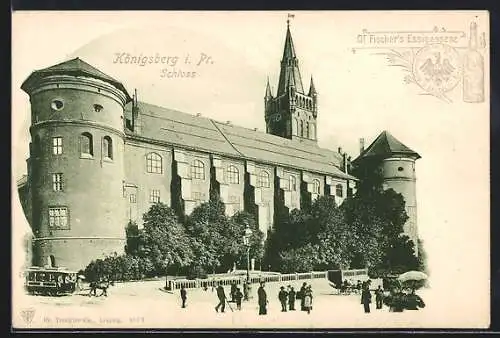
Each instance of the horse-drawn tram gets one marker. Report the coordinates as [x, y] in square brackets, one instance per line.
[49, 281]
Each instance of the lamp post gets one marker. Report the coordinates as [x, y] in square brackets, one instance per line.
[246, 241]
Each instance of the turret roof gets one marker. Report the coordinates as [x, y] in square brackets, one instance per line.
[76, 67]
[386, 145]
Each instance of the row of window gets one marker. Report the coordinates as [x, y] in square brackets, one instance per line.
[86, 145]
[58, 216]
[262, 181]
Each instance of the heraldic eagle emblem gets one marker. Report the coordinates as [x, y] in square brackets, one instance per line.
[437, 72]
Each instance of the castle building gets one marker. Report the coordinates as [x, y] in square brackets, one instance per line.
[99, 158]
[397, 166]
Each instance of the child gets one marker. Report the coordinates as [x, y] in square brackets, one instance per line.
[237, 296]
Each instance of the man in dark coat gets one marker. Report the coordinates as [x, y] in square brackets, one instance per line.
[413, 301]
[222, 298]
[262, 298]
[379, 297]
[366, 298]
[183, 296]
[282, 296]
[291, 299]
[233, 291]
[237, 297]
[302, 293]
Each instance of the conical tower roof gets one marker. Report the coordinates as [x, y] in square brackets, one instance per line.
[386, 145]
[76, 67]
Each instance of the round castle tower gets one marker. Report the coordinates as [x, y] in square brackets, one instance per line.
[397, 162]
[76, 165]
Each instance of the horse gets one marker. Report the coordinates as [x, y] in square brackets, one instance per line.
[101, 285]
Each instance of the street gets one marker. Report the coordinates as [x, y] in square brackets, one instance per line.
[147, 305]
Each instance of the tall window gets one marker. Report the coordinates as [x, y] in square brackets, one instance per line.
[197, 170]
[307, 129]
[301, 128]
[154, 163]
[86, 144]
[57, 145]
[58, 218]
[107, 147]
[295, 127]
[233, 175]
[339, 191]
[57, 182]
[316, 187]
[154, 196]
[293, 183]
[263, 179]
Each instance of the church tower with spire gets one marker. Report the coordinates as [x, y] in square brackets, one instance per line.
[292, 112]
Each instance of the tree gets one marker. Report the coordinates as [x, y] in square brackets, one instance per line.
[298, 259]
[164, 240]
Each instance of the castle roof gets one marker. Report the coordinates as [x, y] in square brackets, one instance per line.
[386, 145]
[76, 67]
[205, 134]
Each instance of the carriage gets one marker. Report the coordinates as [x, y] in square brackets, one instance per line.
[50, 281]
[347, 281]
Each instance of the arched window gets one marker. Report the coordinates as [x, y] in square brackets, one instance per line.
[339, 191]
[316, 187]
[154, 163]
[86, 144]
[293, 183]
[307, 130]
[263, 180]
[301, 128]
[107, 147]
[233, 175]
[197, 170]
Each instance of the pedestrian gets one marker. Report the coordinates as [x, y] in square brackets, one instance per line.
[366, 298]
[413, 301]
[245, 291]
[222, 298]
[282, 296]
[183, 296]
[238, 296]
[262, 299]
[302, 294]
[379, 297]
[233, 290]
[308, 300]
[291, 299]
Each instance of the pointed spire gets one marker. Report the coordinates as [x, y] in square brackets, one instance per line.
[290, 73]
[268, 90]
[312, 89]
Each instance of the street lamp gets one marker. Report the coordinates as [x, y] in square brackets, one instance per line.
[246, 241]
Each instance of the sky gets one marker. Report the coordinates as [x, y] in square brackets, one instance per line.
[360, 96]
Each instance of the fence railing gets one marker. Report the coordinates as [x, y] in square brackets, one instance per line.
[225, 281]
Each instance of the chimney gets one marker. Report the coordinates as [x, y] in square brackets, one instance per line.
[361, 145]
[228, 122]
[340, 150]
[255, 129]
[198, 114]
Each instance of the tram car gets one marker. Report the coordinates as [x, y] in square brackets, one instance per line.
[50, 281]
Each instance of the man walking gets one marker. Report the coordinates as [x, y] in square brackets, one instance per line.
[282, 296]
[262, 299]
[183, 296]
[291, 299]
[222, 298]
[237, 297]
[302, 294]
[379, 297]
[366, 298]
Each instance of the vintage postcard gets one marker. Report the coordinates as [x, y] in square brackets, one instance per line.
[231, 170]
